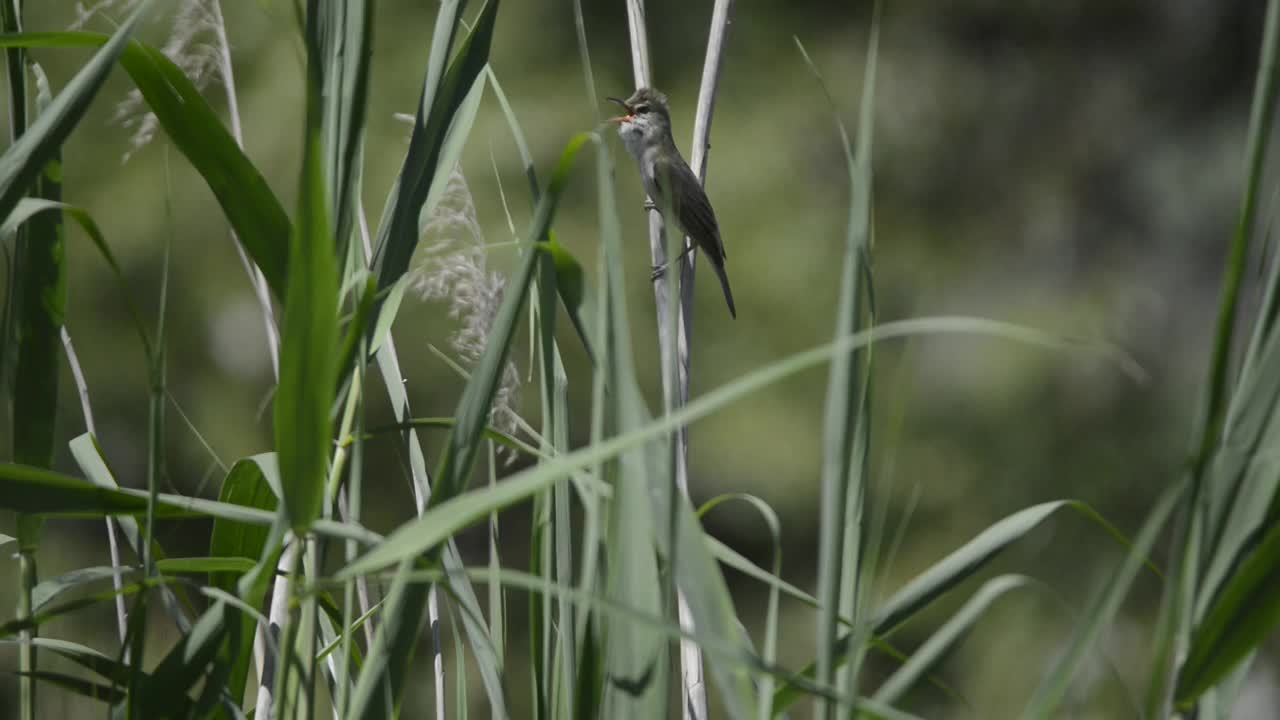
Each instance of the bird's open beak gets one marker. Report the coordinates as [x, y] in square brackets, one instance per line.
[623, 104]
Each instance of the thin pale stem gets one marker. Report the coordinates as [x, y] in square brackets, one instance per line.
[277, 618]
[256, 278]
[113, 546]
[391, 373]
[695, 702]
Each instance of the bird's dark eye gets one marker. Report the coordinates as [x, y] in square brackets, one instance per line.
[640, 109]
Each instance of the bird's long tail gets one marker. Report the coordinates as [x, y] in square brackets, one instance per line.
[724, 283]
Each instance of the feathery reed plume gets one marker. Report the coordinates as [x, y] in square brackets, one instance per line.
[450, 264]
[192, 45]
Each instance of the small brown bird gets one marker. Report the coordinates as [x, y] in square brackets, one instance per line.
[646, 132]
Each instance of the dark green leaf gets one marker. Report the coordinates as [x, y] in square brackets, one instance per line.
[28, 157]
[1245, 615]
[187, 118]
[39, 298]
[441, 97]
[309, 346]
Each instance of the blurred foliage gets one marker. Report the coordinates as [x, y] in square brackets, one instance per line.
[1074, 166]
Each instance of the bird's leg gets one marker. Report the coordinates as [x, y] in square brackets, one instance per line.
[660, 270]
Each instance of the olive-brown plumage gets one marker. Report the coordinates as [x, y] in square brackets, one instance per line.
[646, 132]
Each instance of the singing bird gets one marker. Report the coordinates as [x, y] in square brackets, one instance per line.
[646, 132]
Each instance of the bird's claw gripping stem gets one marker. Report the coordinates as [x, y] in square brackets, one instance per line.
[660, 270]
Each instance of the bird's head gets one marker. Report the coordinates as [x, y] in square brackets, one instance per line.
[646, 120]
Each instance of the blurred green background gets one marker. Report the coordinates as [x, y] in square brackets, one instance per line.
[1073, 166]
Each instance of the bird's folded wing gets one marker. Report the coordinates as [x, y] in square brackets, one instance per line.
[690, 203]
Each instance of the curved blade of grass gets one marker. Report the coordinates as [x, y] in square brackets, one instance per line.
[50, 589]
[415, 536]
[947, 636]
[958, 566]
[19, 624]
[1244, 615]
[1054, 684]
[79, 686]
[961, 564]
[770, 651]
[187, 118]
[732, 558]
[33, 490]
[87, 657]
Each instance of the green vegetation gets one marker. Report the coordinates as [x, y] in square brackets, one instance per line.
[294, 587]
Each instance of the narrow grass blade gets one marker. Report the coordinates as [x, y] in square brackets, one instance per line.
[1102, 611]
[447, 423]
[847, 414]
[961, 564]
[89, 658]
[958, 566]
[345, 49]
[38, 297]
[195, 657]
[444, 91]
[309, 345]
[769, 653]
[79, 686]
[941, 642]
[455, 139]
[28, 489]
[633, 665]
[205, 565]
[52, 588]
[441, 97]
[477, 398]
[441, 522]
[1244, 615]
[33, 490]
[19, 624]
[654, 624]
[87, 454]
[1234, 484]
